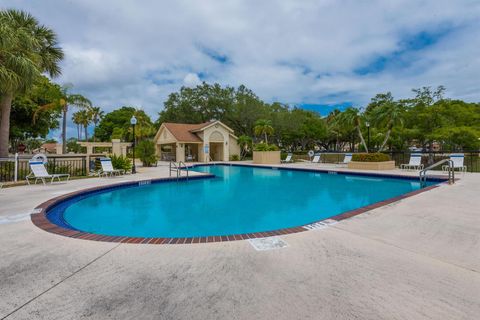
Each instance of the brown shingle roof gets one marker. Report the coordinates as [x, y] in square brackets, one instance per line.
[182, 131]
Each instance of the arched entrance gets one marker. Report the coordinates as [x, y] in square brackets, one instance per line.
[217, 143]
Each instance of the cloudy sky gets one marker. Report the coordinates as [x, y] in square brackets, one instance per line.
[308, 53]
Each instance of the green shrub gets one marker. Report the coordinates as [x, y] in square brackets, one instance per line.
[370, 157]
[234, 157]
[146, 152]
[265, 147]
[121, 162]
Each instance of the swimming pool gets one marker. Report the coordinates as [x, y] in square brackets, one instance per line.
[231, 200]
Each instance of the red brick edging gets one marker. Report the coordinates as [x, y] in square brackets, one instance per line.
[41, 221]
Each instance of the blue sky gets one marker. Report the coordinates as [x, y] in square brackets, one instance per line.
[316, 54]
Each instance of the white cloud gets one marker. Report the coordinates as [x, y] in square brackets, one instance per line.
[137, 53]
[191, 80]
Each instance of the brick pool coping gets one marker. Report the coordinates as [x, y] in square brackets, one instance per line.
[40, 219]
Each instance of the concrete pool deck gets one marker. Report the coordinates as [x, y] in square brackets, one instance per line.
[418, 258]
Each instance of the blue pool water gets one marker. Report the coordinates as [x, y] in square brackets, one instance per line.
[238, 200]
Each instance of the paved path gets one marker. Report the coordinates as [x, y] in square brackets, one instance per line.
[415, 259]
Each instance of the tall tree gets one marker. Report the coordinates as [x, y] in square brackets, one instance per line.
[84, 120]
[62, 102]
[77, 120]
[386, 113]
[116, 124]
[245, 144]
[27, 49]
[96, 114]
[352, 117]
[24, 106]
[264, 127]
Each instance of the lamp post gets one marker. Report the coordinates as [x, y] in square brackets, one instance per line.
[368, 134]
[133, 122]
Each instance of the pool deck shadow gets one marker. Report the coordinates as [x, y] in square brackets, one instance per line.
[418, 258]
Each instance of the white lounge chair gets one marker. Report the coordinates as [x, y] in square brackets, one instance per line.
[288, 158]
[414, 163]
[458, 160]
[346, 159]
[39, 172]
[107, 168]
[316, 158]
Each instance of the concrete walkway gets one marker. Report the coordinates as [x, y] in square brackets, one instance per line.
[414, 259]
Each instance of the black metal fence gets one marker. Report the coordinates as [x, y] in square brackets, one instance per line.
[472, 158]
[17, 168]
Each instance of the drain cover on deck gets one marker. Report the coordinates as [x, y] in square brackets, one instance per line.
[270, 243]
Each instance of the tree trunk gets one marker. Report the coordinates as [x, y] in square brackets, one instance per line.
[64, 130]
[94, 129]
[266, 141]
[86, 133]
[362, 139]
[387, 136]
[5, 108]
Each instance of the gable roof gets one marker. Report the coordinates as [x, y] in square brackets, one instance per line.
[211, 123]
[183, 131]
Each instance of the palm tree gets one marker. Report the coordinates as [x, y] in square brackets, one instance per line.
[245, 143]
[84, 119]
[27, 49]
[264, 127]
[351, 117]
[76, 118]
[389, 114]
[96, 114]
[62, 103]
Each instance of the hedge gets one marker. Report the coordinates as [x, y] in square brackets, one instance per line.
[370, 157]
[265, 147]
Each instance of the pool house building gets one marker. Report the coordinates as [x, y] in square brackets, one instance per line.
[203, 142]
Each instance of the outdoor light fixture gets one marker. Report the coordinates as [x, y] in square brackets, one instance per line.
[368, 130]
[133, 122]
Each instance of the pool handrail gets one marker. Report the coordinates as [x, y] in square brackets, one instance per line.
[451, 171]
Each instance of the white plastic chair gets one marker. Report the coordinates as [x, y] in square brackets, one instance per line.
[458, 160]
[414, 163]
[316, 158]
[346, 159]
[39, 172]
[107, 168]
[288, 158]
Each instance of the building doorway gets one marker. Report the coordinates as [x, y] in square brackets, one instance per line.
[191, 152]
[216, 151]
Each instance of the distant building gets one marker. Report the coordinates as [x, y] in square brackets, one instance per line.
[47, 148]
[203, 142]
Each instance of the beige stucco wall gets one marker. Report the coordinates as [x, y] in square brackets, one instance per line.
[266, 157]
[383, 165]
[233, 146]
[180, 152]
[164, 137]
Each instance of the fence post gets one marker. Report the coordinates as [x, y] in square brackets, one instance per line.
[15, 174]
[471, 162]
[84, 169]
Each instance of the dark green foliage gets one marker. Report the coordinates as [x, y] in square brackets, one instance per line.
[22, 126]
[146, 152]
[234, 157]
[116, 125]
[370, 157]
[121, 162]
[265, 147]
